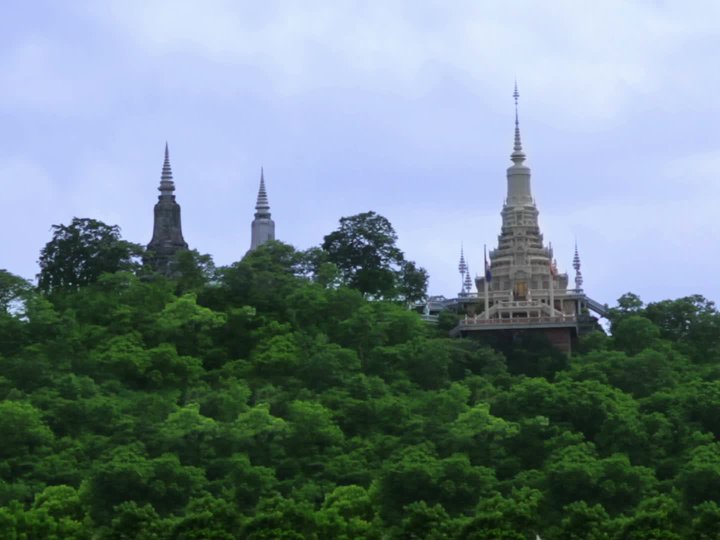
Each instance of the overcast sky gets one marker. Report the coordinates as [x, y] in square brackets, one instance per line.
[404, 108]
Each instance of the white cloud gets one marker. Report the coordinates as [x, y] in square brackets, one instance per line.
[30, 74]
[576, 57]
[345, 102]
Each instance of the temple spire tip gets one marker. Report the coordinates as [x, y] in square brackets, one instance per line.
[167, 186]
[518, 156]
[262, 205]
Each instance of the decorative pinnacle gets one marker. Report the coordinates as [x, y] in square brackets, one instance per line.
[576, 266]
[462, 267]
[167, 186]
[467, 286]
[262, 205]
[518, 156]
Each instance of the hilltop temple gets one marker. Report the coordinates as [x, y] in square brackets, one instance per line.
[167, 239]
[520, 289]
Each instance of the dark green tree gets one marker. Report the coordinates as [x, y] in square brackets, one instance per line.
[634, 333]
[12, 289]
[191, 270]
[15, 292]
[365, 251]
[692, 322]
[81, 252]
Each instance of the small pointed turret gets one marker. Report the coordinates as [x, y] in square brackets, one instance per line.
[462, 265]
[167, 237]
[578, 273]
[463, 269]
[263, 227]
[467, 286]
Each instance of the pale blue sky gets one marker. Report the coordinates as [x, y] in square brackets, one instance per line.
[404, 108]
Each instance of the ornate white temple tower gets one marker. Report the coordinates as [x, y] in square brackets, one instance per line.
[521, 264]
[521, 289]
[263, 227]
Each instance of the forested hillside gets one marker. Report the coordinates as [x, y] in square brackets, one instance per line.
[274, 399]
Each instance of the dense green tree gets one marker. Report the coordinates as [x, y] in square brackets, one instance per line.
[628, 304]
[25, 438]
[700, 476]
[260, 434]
[17, 522]
[192, 271]
[428, 522]
[131, 521]
[692, 323]
[706, 521]
[208, 518]
[281, 518]
[81, 252]
[585, 522]
[656, 518]
[271, 400]
[364, 250]
[516, 517]
[188, 435]
[15, 292]
[262, 279]
[12, 289]
[635, 333]
[413, 475]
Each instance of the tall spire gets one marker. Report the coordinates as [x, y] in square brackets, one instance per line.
[518, 174]
[518, 156]
[167, 186]
[167, 237]
[263, 227]
[576, 266]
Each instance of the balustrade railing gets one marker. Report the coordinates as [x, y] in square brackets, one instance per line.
[479, 321]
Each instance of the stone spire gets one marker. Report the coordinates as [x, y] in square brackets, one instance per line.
[167, 237]
[262, 206]
[167, 186]
[263, 227]
[518, 174]
[578, 273]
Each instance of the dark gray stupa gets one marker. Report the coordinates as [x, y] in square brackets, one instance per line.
[167, 237]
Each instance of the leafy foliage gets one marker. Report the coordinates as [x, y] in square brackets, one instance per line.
[81, 252]
[364, 250]
[266, 400]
